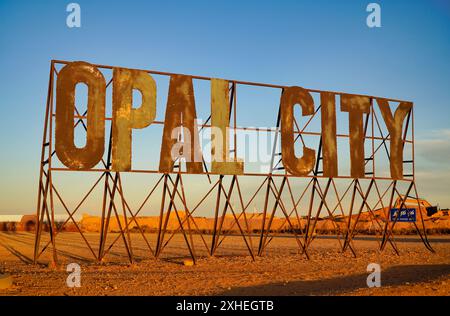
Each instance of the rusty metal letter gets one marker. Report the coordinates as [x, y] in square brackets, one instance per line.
[220, 117]
[69, 76]
[125, 118]
[394, 124]
[356, 106]
[180, 112]
[329, 141]
[295, 166]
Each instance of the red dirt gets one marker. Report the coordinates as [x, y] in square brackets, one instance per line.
[282, 271]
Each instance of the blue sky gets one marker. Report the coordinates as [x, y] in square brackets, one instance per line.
[315, 44]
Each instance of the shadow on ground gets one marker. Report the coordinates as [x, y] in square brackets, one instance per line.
[390, 277]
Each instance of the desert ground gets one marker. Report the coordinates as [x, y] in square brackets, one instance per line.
[281, 271]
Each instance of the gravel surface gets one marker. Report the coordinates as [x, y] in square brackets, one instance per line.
[282, 271]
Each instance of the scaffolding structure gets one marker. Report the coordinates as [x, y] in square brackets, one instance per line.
[321, 193]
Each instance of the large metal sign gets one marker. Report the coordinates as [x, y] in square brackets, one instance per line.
[372, 126]
[181, 112]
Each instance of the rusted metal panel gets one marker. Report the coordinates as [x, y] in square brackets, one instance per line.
[125, 117]
[356, 106]
[220, 118]
[394, 124]
[295, 166]
[329, 139]
[69, 76]
[180, 113]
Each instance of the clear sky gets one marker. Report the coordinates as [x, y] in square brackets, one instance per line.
[319, 44]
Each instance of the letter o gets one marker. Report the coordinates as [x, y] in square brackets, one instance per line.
[69, 76]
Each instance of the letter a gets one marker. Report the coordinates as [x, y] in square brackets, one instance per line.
[374, 18]
[180, 112]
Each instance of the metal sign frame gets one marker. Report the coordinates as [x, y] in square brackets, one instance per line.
[274, 183]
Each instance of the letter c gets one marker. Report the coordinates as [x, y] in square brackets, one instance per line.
[295, 166]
